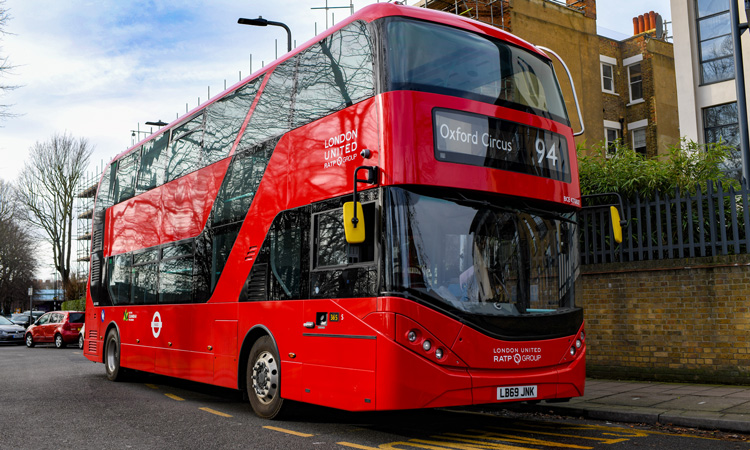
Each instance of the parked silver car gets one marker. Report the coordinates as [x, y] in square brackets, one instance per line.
[10, 333]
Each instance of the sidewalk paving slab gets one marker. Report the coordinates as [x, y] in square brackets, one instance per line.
[688, 405]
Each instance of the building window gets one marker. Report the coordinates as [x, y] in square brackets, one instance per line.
[715, 41]
[612, 136]
[721, 125]
[639, 140]
[636, 82]
[608, 78]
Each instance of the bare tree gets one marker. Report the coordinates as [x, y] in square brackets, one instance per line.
[5, 65]
[17, 250]
[47, 187]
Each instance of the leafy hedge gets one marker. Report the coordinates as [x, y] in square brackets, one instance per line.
[633, 175]
[74, 305]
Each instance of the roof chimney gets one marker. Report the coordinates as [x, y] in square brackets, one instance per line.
[635, 26]
[641, 24]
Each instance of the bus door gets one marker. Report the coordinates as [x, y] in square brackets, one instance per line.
[340, 349]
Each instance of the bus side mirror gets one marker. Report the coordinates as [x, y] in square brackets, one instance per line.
[354, 228]
[616, 227]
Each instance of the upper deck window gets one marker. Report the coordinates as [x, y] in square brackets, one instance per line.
[435, 58]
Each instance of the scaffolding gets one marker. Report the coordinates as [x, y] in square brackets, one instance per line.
[492, 12]
[84, 214]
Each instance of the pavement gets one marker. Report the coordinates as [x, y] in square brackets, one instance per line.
[703, 406]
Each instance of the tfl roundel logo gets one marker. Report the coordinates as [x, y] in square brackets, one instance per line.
[156, 324]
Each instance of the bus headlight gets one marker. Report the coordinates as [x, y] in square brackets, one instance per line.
[439, 353]
[572, 351]
[426, 345]
[412, 336]
[578, 343]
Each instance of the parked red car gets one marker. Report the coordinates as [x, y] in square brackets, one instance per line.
[60, 327]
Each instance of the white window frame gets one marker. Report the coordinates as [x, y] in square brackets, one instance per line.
[629, 62]
[614, 126]
[611, 63]
[634, 127]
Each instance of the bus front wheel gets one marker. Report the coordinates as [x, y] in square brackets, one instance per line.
[112, 356]
[264, 379]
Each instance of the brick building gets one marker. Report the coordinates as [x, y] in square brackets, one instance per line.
[626, 88]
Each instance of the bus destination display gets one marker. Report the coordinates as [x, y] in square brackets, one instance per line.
[480, 140]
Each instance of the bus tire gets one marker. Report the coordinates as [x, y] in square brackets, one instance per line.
[264, 379]
[112, 356]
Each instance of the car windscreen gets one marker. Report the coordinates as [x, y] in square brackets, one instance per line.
[5, 321]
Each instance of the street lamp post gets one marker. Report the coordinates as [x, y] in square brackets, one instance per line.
[261, 22]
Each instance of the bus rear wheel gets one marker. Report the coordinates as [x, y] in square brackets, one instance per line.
[112, 356]
[264, 379]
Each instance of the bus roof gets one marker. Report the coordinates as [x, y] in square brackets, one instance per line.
[366, 14]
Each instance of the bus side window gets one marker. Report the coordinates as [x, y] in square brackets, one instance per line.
[272, 115]
[145, 277]
[341, 269]
[118, 276]
[123, 187]
[334, 74]
[185, 148]
[281, 269]
[176, 273]
[224, 120]
[151, 170]
[331, 248]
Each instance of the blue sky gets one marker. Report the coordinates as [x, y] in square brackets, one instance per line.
[98, 69]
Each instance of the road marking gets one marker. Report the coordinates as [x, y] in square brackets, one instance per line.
[174, 397]
[575, 436]
[152, 386]
[213, 411]
[362, 447]
[283, 430]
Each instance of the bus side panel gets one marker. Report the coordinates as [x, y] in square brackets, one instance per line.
[138, 357]
[224, 348]
[326, 152]
[174, 211]
[338, 387]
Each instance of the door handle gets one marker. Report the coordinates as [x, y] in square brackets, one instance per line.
[309, 324]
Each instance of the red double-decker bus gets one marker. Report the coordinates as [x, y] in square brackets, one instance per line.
[382, 219]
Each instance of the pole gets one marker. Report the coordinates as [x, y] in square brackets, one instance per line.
[739, 81]
[31, 295]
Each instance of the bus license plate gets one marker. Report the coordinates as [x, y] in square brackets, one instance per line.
[515, 392]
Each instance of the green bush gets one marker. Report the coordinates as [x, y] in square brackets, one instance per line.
[632, 175]
[74, 305]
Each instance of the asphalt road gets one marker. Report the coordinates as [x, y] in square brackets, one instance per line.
[54, 399]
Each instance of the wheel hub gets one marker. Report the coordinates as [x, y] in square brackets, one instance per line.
[265, 377]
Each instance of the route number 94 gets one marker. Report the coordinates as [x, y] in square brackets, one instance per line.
[542, 152]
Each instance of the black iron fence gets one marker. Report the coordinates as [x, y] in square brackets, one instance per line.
[712, 221]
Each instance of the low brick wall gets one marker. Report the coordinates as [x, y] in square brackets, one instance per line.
[672, 320]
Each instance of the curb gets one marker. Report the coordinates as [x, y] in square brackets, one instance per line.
[741, 424]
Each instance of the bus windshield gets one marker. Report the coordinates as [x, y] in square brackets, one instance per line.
[473, 257]
[436, 58]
